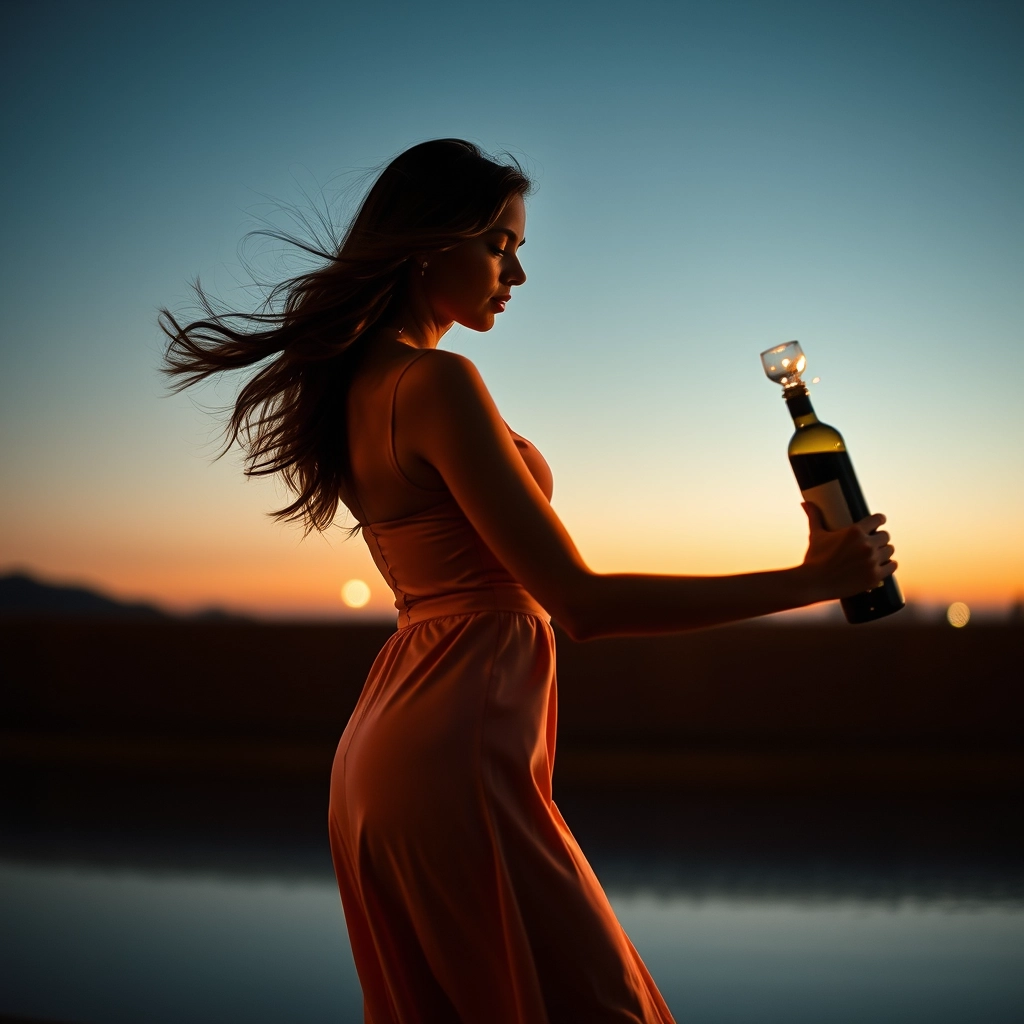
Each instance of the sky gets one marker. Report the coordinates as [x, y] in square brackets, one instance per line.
[712, 179]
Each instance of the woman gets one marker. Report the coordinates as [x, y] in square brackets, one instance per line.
[466, 897]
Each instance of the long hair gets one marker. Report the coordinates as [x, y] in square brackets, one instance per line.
[291, 416]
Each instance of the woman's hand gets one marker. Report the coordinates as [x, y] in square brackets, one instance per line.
[845, 562]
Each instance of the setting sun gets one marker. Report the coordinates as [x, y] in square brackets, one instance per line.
[355, 593]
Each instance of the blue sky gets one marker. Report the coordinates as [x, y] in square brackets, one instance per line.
[713, 179]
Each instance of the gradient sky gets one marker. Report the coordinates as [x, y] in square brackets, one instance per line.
[713, 179]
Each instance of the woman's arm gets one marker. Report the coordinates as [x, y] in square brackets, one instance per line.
[445, 417]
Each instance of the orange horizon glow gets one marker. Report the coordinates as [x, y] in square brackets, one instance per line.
[315, 591]
[229, 555]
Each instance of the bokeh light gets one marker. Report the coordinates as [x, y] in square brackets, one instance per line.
[355, 593]
[958, 614]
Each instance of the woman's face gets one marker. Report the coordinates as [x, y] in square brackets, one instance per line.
[471, 283]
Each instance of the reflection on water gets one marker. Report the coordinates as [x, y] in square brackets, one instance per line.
[91, 945]
[176, 906]
[743, 962]
[86, 944]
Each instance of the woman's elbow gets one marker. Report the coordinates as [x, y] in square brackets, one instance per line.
[578, 617]
[577, 630]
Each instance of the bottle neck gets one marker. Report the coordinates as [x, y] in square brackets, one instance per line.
[799, 404]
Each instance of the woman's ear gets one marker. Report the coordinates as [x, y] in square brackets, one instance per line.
[419, 264]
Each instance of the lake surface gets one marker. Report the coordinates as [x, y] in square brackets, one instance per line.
[186, 909]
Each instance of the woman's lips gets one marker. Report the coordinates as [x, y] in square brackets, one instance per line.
[500, 304]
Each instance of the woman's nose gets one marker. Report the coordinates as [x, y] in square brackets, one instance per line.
[516, 274]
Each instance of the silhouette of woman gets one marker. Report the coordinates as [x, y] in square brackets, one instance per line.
[466, 897]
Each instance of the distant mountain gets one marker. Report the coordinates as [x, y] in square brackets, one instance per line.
[20, 594]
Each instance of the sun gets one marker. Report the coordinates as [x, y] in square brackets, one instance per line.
[958, 614]
[355, 593]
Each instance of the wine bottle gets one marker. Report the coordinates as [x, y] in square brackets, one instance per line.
[825, 474]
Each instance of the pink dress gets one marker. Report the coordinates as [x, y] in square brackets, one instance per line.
[466, 897]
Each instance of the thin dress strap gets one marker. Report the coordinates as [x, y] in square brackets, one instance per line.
[392, 453]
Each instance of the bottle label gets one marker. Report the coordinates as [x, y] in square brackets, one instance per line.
[830, 500]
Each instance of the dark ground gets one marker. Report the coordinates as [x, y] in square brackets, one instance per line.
[880, 709]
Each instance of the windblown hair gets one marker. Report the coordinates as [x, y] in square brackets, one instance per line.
[290, 417]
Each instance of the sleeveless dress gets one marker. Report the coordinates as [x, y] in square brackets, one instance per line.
[466, 898]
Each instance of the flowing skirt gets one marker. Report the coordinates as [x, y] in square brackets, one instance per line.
[466, 897]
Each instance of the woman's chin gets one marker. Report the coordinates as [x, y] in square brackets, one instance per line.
[481, 324]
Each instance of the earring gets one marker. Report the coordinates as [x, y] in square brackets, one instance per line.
[423, 269]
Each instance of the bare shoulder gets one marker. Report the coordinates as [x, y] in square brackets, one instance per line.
[439, 365]
[441, 377]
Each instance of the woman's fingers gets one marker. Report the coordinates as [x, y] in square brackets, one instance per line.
[880, 542]
[814, 516]
[871, 523]
[883, 552]
[853, 559]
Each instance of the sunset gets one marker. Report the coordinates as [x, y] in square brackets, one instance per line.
[706, 188]
[676, 762]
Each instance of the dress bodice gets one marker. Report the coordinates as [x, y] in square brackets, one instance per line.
[434, 560]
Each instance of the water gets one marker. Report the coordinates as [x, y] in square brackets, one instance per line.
[724, 962]
[743, 912]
